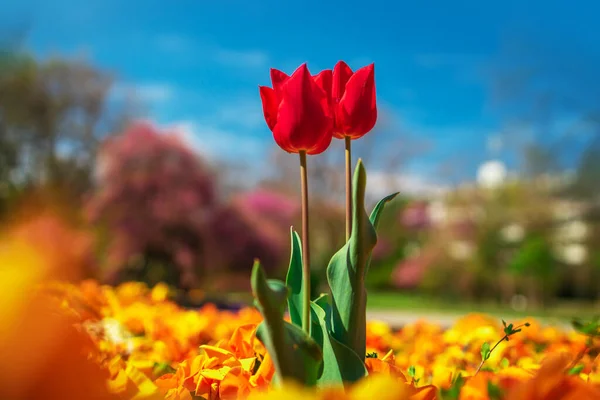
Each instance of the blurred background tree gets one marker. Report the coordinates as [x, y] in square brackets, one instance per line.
[156, 197]
[165, 219]
[53, 116]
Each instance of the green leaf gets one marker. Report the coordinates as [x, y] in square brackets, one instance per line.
[576, 370]
[485, 351]
[340, 363]
[454, 391]
[295, 355]
[161, 368]
[412, 372]
[494, 391]
[508, 330]
[294, 280]
[590, 328]
[347, 270]
[376, 213]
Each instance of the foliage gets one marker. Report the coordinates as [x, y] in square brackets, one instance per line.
[534, 257]
[499, 243]
[509, 330]
[53, 115]
[338, 324]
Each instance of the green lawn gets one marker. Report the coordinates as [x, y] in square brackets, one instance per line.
[395, 301]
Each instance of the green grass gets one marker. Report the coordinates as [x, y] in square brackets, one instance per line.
[398, 302]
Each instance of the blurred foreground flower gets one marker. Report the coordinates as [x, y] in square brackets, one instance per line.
[43, 353]
[380, 386]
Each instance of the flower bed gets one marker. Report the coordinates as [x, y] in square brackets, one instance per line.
[149, 347]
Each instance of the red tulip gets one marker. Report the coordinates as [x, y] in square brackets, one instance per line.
[297, 110]
[354, 100]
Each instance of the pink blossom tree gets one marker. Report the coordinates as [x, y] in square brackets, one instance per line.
[156, 198]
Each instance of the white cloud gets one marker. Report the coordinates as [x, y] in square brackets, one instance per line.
[217, 145]
[155, 92]
[241, 58]
[213, 142]
[150, 92]
[187, 48]
[380, 184]
[243, 113]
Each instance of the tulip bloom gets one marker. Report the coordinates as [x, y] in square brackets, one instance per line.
[354, 100]
[297, 110]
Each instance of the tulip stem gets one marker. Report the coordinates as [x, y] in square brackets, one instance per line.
[348, 143]
[305, 244]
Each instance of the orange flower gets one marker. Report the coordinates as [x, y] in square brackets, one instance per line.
[476, 387]
[120, 342]
[385, 366]
[43, 351]
[172, 386]
[551, 382]
[264, 374]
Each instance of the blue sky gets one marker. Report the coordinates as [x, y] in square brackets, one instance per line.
[443, 69]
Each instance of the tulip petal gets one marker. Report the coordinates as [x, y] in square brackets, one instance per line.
[341, 75]
[324, 80]
[280, 137]
[278, 78]
[270, 105]
[323, 143]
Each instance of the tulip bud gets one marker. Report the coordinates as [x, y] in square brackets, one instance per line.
[354, 100]
[297, 110]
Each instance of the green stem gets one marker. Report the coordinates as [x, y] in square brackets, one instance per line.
[492, 349]
[505, 337]
[305, 245]
[348, 144]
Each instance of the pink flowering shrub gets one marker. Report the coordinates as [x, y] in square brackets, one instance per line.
[415, 216]
[255, 225]
[156, 198]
